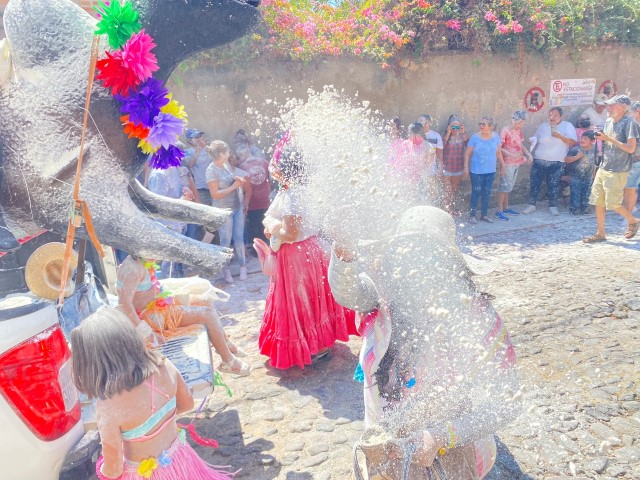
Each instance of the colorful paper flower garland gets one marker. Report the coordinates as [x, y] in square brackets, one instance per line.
[151, 115]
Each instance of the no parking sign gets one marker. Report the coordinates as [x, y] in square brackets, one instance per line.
[534, 99]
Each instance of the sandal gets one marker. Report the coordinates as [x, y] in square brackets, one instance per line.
[235, 367]
[632, 230]
[237, 351]
[595, 238]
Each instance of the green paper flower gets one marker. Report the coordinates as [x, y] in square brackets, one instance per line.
[117, 21]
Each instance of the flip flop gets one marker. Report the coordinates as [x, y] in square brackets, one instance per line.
[235, 367]
[594, 239]
[632, 230]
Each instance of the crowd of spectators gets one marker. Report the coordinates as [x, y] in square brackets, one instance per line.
[597, 159]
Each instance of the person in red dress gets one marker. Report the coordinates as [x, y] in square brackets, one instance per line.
[302, 319]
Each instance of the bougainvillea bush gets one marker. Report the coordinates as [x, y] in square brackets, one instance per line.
[394, 32]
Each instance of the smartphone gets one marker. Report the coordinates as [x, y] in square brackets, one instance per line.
[554, 128]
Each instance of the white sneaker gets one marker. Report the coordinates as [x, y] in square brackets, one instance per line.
[554, 211]
[227, 276]
[530, 209]
[243, 273]
[473, 220]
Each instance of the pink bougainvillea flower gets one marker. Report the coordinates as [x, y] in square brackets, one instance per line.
[357, 51]
[137, 56]
[490, 16]
[516, 27]
[540, 26]
[502, 28]
[454, 25]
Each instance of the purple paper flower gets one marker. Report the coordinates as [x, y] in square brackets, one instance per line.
[166, 157]
[144, 104]
[165, 130]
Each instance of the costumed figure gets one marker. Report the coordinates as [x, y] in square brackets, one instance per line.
[138, 393]
[301, 319]
[158, 315]
[436, 361]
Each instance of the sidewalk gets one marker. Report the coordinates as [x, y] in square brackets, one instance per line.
[540, 218]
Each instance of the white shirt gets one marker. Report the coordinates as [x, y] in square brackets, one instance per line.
[287, 203]
[550, 148]
[435, 139]
[596, 119]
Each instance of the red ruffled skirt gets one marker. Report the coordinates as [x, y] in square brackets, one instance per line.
[301, 316]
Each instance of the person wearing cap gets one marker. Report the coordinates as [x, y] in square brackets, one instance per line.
[597, 113]
[515, 154]
[553, 140]
[436, 361]
[619, 141]
[630, 196]
[197, 160]
[455, 143]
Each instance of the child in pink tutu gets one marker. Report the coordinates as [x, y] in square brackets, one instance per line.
[301, 319]
[138, 393]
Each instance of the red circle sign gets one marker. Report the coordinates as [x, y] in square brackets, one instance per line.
[534, 99]
[557, 86]
[608, 85]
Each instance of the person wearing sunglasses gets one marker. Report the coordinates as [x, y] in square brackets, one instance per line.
[480, 160]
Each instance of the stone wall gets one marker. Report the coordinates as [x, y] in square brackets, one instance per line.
[218, 99]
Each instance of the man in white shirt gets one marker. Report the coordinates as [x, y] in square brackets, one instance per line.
[597, 113]
[554, 138]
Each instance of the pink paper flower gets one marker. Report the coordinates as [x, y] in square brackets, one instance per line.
[137, 56]
[516, 27]
[490, 16]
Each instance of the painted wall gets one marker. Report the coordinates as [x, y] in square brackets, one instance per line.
[218, 99]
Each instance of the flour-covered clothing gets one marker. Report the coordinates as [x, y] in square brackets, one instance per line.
[550, 148]
[225, 178]
[615, 159]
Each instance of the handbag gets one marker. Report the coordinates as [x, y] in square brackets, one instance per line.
[267, 257]
[85, 300]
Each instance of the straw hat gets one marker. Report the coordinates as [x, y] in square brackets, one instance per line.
[43, 271]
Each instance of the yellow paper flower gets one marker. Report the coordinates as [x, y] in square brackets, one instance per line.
[146, 467]
[146, 147]
[174, 108]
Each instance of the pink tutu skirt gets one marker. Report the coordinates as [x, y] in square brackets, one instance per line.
[301, 316]
[178, 462]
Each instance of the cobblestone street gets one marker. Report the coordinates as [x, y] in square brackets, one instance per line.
[573, 311]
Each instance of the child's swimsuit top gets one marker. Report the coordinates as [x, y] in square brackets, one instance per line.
[141, 433]
[143, 286]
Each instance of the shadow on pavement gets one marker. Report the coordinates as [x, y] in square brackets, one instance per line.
[226, 429]
[506, 467]
[330, 381]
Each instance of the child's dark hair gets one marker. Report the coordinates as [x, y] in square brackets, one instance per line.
[590, 134]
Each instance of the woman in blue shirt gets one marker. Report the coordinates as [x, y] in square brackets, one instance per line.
[480, 160]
